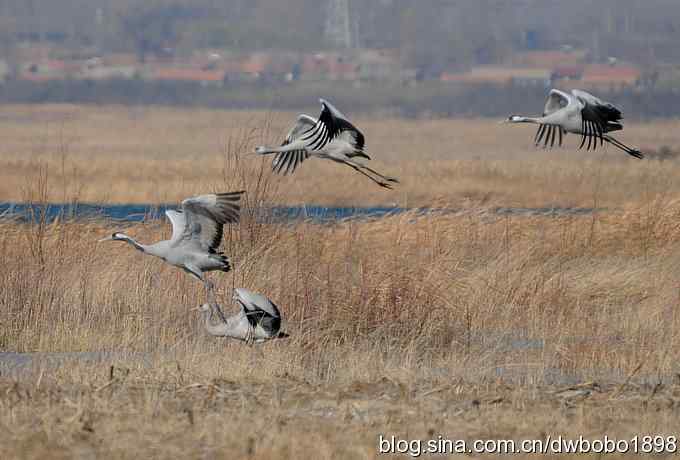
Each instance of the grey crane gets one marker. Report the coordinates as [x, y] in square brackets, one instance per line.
[257, 320]
[578, 113]
[332, 137]
[196, 234]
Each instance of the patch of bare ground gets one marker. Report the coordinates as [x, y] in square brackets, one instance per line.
[181, 413]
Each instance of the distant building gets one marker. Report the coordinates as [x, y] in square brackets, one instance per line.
[610, 77]
[572, 72]
[263, 67]
[100, 69]
[499, 75]
[187, 74]
[4, 70]
[379, 65]
[47, 69]
[119, 60]
[548, 59]
[33, 52]
[328, 66]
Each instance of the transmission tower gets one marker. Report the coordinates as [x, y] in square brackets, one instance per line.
[339, 29]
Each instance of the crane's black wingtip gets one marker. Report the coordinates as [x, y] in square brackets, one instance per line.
[230, 195]
[637, 154]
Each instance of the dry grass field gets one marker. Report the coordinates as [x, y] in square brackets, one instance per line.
[471, 325]
[152, 155]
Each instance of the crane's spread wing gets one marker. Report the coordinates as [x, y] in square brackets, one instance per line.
[178, 224]
[557, 100]
[338, 124]
[203, 217]
[288, 160]
[302, 124]
[588, 98]
[259, 310]
[598, 118]
[310, 135]
[253, 302]
[606, 111]
[291, 159]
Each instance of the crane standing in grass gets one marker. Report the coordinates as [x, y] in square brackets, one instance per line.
[257, 320]
[332, 137]
[196, 234]
[578, 113]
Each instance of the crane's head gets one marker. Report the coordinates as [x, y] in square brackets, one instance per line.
[117, 236]
[203, 308]
[514, 119]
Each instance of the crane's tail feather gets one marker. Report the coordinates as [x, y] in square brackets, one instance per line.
[225, 263]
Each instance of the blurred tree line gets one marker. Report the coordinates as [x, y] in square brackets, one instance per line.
[428, 99]
[432, 34]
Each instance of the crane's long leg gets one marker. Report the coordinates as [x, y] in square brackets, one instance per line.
[219, 311]
[209, 287]
[630, 151]
[387, 178]
[212, 300]
[210, 291]
[357, 168]
[363, 168]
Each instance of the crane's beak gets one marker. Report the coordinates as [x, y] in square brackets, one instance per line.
[108, 238]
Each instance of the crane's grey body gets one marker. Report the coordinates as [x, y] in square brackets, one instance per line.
[191, 259]
[331, 137]
[257, 320]
[196, 235]
[577, 113]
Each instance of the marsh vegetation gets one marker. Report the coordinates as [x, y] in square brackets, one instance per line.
[472, 325]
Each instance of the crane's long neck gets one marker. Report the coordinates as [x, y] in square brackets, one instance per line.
[519, 119]
[134, 243]
[271, 150]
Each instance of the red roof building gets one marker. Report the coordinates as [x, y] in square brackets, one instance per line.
[610, 76]
[188, 74]
[548, 59]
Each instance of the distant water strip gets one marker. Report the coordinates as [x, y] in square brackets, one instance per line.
[141, 212]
